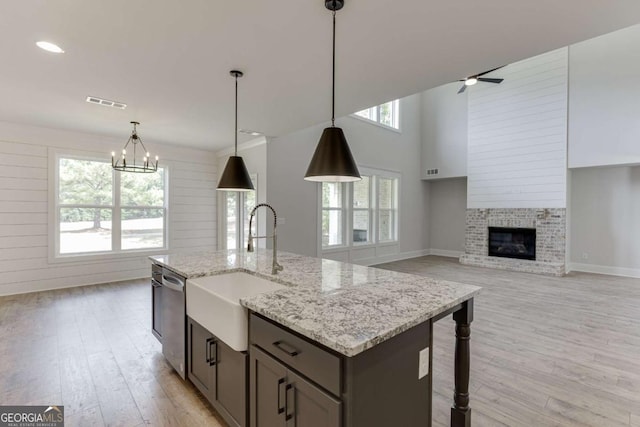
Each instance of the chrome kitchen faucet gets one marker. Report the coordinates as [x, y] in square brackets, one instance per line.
[275, 267]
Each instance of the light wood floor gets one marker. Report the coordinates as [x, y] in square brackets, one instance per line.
[545, 352]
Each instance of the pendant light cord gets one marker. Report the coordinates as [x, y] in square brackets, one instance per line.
[236, 134]
[333, 76]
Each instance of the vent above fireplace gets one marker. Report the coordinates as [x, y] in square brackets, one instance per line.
[517, 243]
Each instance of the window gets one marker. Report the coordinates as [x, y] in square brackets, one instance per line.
[99, 210]
[372, 214]
[236, 237]
[333, 217]
[362, 211]
[387, 114]
[387, 209]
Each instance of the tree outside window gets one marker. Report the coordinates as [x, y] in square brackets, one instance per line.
[93, 217]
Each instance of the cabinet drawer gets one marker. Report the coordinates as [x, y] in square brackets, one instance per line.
[315, 363]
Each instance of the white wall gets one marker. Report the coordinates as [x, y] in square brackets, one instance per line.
[25, 231]
[447, 216]
[605, 230]
[603, 100]
[518, 136]
[444, 131]
[296, 200]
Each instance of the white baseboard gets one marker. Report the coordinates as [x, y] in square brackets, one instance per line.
[22, 288]
[445, 252]
[604, 269]
[393, 257]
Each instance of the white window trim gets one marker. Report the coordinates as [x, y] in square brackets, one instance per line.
[388, 175]
[377, 122]
[346, 221]
[222, 217]
[54, 255]
[371, 210]
[349, 245]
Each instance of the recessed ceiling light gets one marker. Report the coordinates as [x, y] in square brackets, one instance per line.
[49, 47]
[106, 102]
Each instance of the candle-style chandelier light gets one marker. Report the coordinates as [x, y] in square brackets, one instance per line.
[144, 165]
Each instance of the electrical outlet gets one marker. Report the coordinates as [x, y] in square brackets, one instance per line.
[423, 364]
[585, 255]
[281, 220]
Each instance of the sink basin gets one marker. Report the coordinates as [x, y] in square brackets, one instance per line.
[214, 302]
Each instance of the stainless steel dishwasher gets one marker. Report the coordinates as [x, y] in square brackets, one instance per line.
[173, 320]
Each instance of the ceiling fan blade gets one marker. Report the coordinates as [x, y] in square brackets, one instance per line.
[488, 80]
[462, 89]
[490, 71]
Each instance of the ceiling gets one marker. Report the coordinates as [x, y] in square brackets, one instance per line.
[170, 60]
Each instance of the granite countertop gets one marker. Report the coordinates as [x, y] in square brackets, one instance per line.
[346, 307]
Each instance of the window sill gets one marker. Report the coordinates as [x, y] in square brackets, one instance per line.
[105, 256]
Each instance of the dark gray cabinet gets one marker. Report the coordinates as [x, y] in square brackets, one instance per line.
[267, 387]
[156, 301]
[219, 372]
[296, 382]
[280, 397]
[201, 346]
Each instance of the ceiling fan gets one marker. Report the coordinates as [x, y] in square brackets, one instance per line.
[471, 80]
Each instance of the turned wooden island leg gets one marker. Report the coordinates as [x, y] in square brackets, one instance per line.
[460, 411]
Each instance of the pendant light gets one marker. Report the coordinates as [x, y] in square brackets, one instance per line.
[332, 160]
[235, 176]
[134, 165]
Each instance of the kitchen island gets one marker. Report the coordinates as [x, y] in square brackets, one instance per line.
[374, 325]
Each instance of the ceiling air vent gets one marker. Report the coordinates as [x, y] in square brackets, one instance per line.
[106, 102]
[432, 171]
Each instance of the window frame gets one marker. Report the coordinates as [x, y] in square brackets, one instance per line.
[240, 197]
[374, 207]
[394, 211]
[116, 252]
[376, 109]
[370, 211]
[345, 220]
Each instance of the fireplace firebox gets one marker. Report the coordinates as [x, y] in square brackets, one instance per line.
[517, 243]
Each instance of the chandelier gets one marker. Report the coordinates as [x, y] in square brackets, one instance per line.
[133, 165]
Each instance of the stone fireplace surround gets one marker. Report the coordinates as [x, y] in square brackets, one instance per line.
[550, 225]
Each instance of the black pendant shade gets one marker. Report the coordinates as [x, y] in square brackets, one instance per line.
[235, 176]
[332, 160]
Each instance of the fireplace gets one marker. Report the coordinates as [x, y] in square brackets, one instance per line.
[517, 243]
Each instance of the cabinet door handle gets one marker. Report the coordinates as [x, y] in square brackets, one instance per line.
[213, 352]
[289, 404]
[280, 398]
[208, 349]
[282, 346]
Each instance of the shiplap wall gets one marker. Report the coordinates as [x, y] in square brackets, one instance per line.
[517, 155]
[25, 228]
